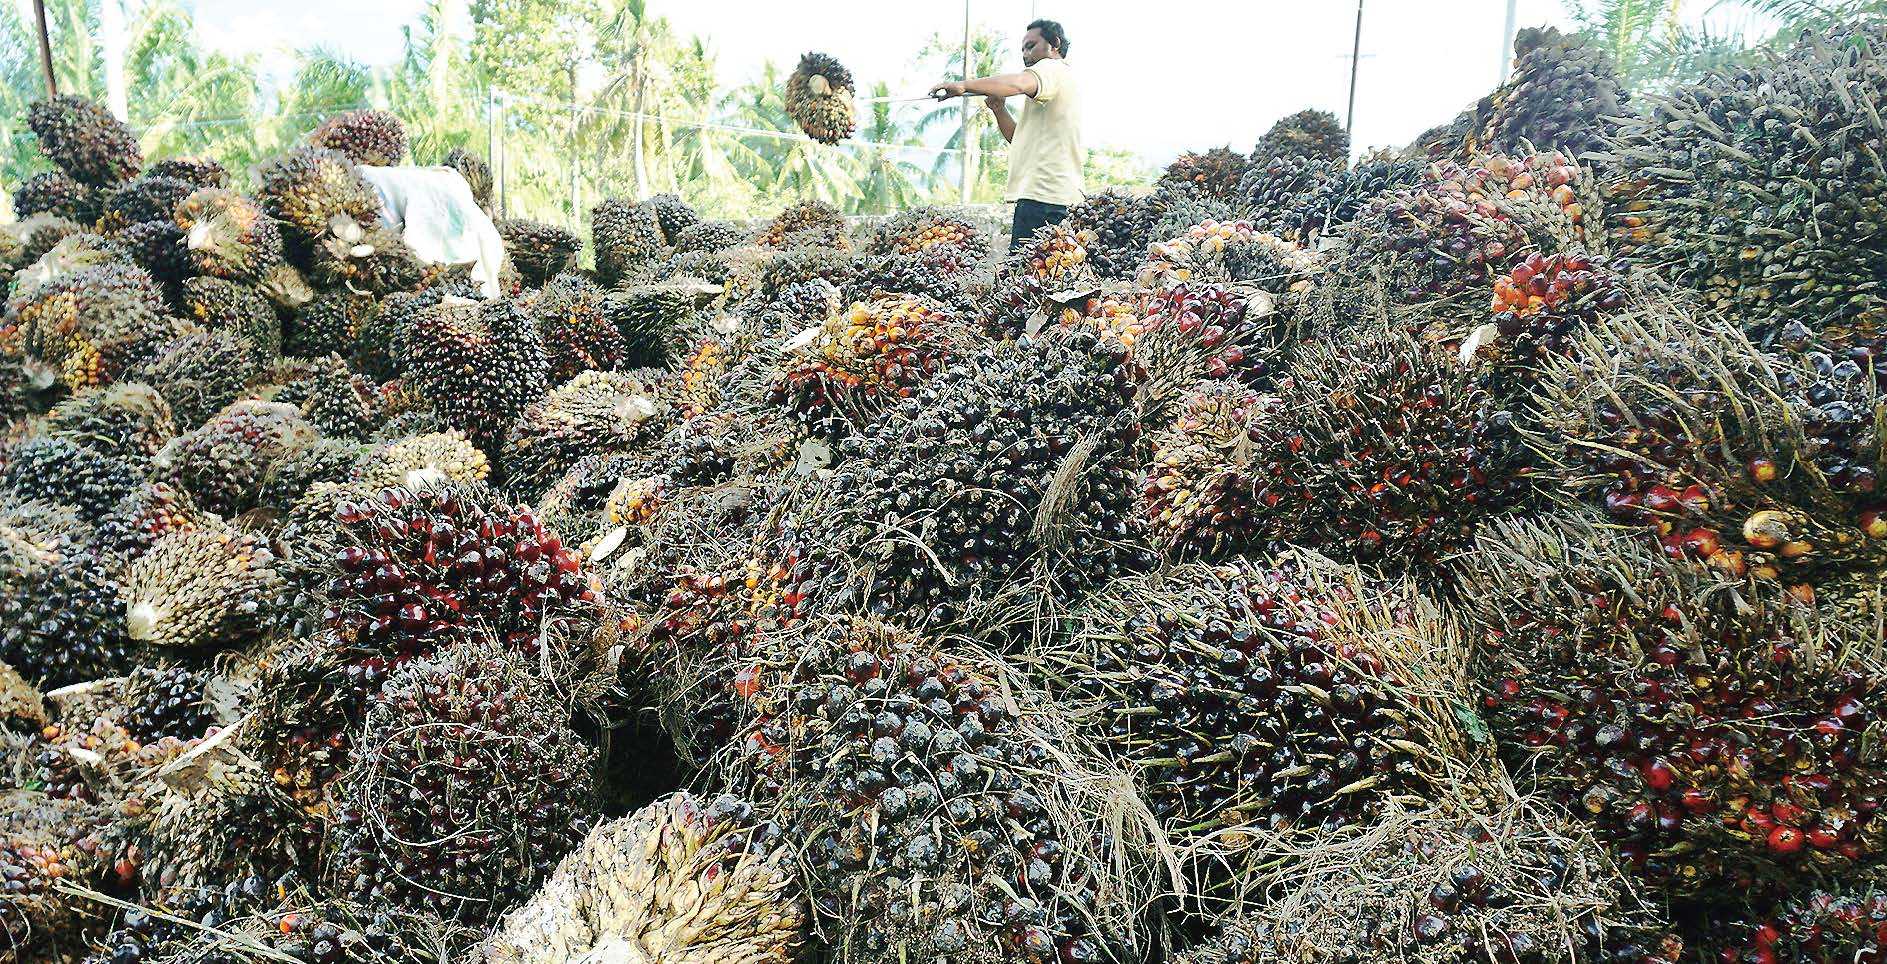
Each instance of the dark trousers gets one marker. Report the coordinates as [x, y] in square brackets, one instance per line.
[1032, 216]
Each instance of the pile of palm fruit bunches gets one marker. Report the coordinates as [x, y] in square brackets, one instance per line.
[1469, 552]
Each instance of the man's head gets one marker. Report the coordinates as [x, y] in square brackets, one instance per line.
[1044, 40]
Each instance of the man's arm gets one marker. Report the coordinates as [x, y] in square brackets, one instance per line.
[1000, 85]
[1005, 123]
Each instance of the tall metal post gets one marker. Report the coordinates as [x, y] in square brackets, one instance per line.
[1507, 42]
[969, 149]
[575, 156]
[1356, 57]
[45, 49]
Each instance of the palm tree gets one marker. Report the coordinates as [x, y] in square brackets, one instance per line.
[187, 101]
[943, 57]
[889, 179]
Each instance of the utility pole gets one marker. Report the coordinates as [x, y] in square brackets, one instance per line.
[1356, 58]
[969, 149]
[575, 157]
[1507, 43]
[45, 49]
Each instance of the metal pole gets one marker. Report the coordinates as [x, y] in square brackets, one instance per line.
[575, 156]
[1356, 57]
[45, 49]
[969, 149]
[1507, 42]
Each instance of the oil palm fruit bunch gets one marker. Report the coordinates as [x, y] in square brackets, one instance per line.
[338, 401]
[1028, 280]
[1338, 201]
[312, 191]
[221, 305]
[925, 805]
[1122, 226]
[421, 460]
[200, 587]
[918, 230]
[1711, 729]
[477, 364]
[126, 421]
[373, 259]
[467, 786]
[160, 702]
[42, 842]
[593, 412]
[684, 880]
[1450, 884]
[476, 172]
[657, 321]
[1384, 452]
[1821, 926]
[1314, 134]
[1269, 190]
[141, 199]
[866, 357]
[540, 251]
[65, 471]
[940, 273]
[56, 193]
[1015, 455]
[575, 322]
[1197, 493]
[159, 247]
[807, 223]
[60, 621]
[708, 236]
[626, 236]
[372, 137]
[228, 235]
[819, 98]
[1563, 94]
[1537, 308]
[674, 216]
[1464, 224]
[288, 479]
[1196, 331]
[1752, 463]
[1768, 201]
[84, 140]
[1239, 694]
[201, 171]
[151, 511]
[400, 573]
[1213, 174]
[199, 373]
[221, 463]
[1118, 315]
[330, 322]
[90, 325]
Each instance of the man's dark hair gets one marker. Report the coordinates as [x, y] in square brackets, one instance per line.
[1052, 34]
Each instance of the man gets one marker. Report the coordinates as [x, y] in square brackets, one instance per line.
[1045, 156]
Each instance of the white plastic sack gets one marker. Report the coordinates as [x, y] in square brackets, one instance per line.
[433, 209]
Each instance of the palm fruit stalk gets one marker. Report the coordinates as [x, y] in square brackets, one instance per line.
[468, 729]
[1212, 174]
[1313, 134]
[476, 364]
[221, 463]
[1511, 880]
[1748, 462]
[372, 137]
[540, 251]
[1272, 695]
[200, 587]
[1762, 187]
[682, 880]
[90, 325]
[819, 98]
[1711, 729]
[1562, 94]
[1382, 451]
[593, 412]
[228, 235]
[875, 741]
[84, 140]
[626, 235]
[200, 373]
[1012, 459]
[865, 358]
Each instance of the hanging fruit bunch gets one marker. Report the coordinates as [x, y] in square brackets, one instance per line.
[819, 98]
[1713, 730]
[1748, 462]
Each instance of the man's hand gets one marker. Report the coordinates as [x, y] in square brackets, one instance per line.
[996, 104]
[947, 90]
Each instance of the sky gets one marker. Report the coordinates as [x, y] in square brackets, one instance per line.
[1194, 75]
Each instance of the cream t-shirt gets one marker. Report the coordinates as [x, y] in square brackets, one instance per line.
[1045, 157]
